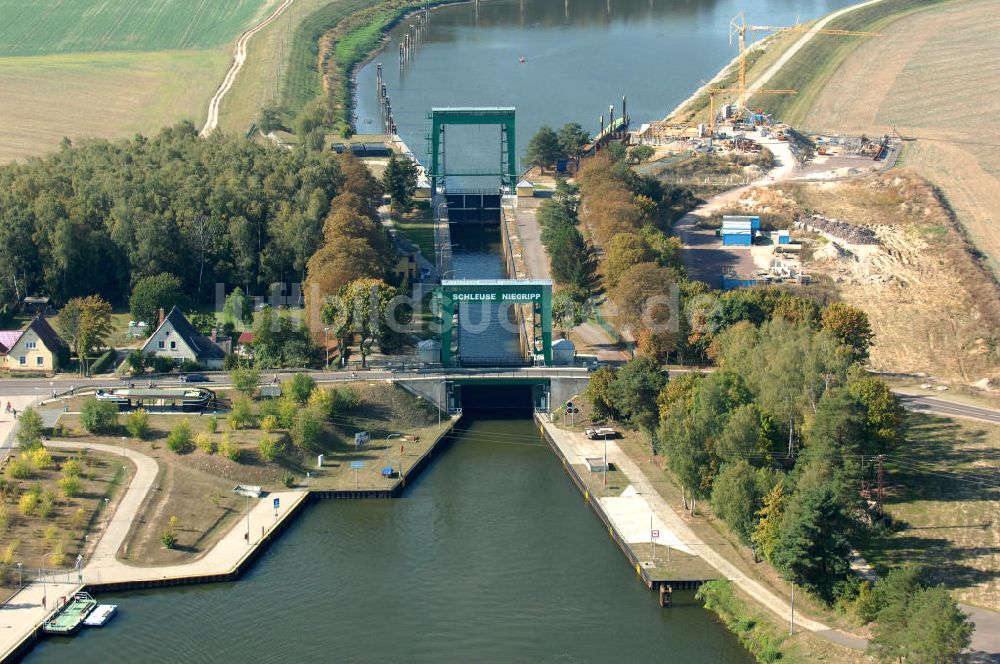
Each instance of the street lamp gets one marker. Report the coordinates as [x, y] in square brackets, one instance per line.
[19, 584]
[326, 345]
[45, 594]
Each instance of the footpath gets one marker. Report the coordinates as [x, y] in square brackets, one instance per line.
[23, 615]
[643, 500]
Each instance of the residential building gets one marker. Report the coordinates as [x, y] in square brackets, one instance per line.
[177, 339]
[36, 348]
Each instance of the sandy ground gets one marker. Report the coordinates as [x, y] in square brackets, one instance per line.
[935, 77]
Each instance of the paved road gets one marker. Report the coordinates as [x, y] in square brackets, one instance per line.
[940, 406]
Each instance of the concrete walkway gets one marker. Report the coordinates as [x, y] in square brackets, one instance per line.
[24, 613]
[673, 529]
[20, 402]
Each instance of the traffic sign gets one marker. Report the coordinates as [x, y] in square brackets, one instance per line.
[277, 502]
[655, 534]
[357, 464]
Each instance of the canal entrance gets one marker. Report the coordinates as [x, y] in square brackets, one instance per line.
[489, 556]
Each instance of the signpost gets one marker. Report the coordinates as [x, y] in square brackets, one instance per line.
[362, 438]
[357, 466]
[277, 503]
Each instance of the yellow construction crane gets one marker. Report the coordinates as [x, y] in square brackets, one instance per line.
[739, 28]
[711, 101]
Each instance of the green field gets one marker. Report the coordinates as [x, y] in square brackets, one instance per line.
[45, 27]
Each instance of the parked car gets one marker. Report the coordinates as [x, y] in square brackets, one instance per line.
[425, 273]
[194, 378]
[600, 433]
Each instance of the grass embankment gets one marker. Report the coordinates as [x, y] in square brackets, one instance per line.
[942, 497]
[196, 484]
[810, 70]
[43, 514]
[418, 227]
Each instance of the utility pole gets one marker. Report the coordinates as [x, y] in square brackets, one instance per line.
[881, 483]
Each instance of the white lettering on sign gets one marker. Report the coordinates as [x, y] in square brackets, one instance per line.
[492, 297]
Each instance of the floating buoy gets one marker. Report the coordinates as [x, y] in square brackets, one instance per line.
[521, 59]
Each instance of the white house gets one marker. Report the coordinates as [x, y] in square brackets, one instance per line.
[177, 339]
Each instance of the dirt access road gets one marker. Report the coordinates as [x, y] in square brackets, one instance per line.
[239, 59]
[935, 77]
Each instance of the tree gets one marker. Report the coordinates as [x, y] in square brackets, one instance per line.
[623, 252]
[245, 380]
[813, 550]
[572, 138]
[269, 119]
[641, 153]
[237, 308]
[885, 418]
[737, 493]
[365, 308]
[400, 181]
[160, 291]
[767, 532]
[298, 387]
[647, 296]
[917, 624]
[99, 416]
[568, 308]
[85, 323]
[269, 448]
[599, 394]
[29, 431]
[307, 432]
[850, 326]
[544, 149]
[635, 389]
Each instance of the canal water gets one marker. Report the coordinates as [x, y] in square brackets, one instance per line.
[490, 556]
[579, 57]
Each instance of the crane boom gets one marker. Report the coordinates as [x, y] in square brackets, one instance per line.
[738, 27]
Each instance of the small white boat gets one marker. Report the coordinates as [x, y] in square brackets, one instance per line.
[101, 615]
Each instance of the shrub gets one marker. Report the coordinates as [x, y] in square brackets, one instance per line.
[58, 555]
[137, 423]
[229, 449]
[323, 402]
[212, 425]
[242, 414]
[270, 448]
[40, 458]
[79, 517]
[4, 520]
[9, 554]
[180, 437]
[288, 479]
[168, 538]
[161, 364]
[20, 468]
[28, 504]
[205, 443]
[99, 416]
[47, 505]
[70, 486]
[299, 387]
[72, 468]
[269, 423]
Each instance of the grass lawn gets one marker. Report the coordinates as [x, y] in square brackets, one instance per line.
[944, 497]
[69, 522]
[417, 226]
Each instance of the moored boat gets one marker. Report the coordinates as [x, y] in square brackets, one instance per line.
[67, 620]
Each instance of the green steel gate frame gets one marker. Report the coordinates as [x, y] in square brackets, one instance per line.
[534, 292]
[503, 116]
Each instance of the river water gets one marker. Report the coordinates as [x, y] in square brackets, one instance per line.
[579, 57]
[490, 556]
